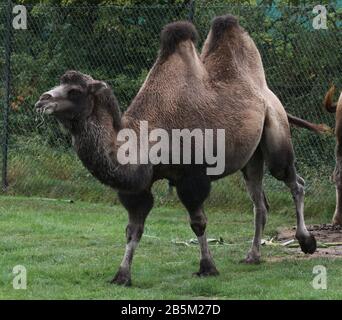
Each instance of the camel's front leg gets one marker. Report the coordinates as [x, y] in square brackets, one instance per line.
[198, 222]
[138, 206]
[337, 219]
[192, 191]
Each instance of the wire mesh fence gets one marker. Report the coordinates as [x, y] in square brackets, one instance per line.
[119, 45]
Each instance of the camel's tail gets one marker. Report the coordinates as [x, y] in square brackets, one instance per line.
[329, 105]
[317, 128]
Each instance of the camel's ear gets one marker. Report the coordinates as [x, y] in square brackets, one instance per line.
[104, 98]
[95, 86]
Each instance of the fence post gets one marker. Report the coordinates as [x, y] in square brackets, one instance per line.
[192, 7]
[7, 79]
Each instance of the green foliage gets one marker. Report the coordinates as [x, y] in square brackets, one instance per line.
[119, 44]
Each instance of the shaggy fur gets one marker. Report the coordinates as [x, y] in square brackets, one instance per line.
[336, 107]
[173, 34]
[75, 78]
[222, 89]
[219, 27]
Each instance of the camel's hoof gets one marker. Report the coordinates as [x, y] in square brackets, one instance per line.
[207, 268]
[251, 259]
[122, 278]
[307, 244]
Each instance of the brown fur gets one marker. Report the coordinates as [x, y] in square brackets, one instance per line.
[218, 29]
[336, 107]
[174, 33]
[329, 105]
[317, 128]
[224, 88]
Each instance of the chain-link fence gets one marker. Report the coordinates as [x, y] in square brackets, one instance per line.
[119, 45]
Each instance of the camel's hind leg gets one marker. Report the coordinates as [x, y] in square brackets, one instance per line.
[253, 174]
[279, 155]
[192, 190]
[306, 240]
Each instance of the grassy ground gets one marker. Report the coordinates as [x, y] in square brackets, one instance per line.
[72, 250]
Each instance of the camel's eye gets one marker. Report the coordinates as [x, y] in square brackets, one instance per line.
[74, 93]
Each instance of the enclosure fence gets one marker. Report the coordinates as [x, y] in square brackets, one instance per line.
[119, 45]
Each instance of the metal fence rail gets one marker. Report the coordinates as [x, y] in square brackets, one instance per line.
[119, 45]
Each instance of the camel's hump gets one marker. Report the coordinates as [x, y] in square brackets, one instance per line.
[222, 23]
[174, 33]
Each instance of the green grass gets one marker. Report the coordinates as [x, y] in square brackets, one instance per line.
[72, 251]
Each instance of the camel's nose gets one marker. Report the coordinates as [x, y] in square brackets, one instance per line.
[44, 98]
[38, 104]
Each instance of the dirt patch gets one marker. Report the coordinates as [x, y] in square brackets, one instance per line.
[325, 233]
[328, 236]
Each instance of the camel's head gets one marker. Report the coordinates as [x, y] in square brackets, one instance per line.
[76, 98]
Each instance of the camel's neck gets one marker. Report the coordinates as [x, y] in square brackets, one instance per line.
[95, 144]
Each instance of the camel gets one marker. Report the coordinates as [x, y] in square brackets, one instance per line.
[223, 88]
[336, 107]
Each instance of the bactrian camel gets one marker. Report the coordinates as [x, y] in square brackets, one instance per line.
[223, 88]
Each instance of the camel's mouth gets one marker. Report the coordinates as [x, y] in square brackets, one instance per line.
[46, 107]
